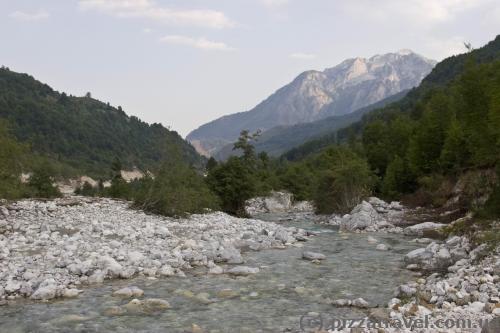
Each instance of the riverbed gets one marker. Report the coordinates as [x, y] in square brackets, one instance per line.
[274, 300]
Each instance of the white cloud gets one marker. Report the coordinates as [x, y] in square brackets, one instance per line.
[199, 43]
[147, 30]
[148, 9]
[30, 16]
[302, 56]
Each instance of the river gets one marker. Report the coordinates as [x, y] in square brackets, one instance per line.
[273, 300]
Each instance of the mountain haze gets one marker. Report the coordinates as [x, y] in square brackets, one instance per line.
[314, 95]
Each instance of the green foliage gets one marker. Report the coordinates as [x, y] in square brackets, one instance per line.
[87, 190]
[82, 133]
[242, 178]
[41, 182]
[11, 156]
[491, 208]
[398, 179]
[211, 164]
[176, 190]
[446, 127]
[346, 180]
[234, 183]
[300, 180]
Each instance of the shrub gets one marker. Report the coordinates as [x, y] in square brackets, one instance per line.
[41, 182]
[344, 183]
[86, 190]
[177, 190]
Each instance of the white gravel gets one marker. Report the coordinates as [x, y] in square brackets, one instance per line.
[50, 249]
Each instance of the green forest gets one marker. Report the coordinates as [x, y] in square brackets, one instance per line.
[81, 135]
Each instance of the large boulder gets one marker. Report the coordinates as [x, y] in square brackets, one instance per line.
[419, 229]
[361, 217]
[276, 202]
[438, 257]
[230, 255]
[46, 290]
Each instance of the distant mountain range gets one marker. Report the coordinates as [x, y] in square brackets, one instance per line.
[314, 95]
[441, 75]
[83, 134]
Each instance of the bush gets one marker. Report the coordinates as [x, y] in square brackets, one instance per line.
[41, 182]
[11, 155]
[177, 190]
[234, 183]
[86, 190]
[345, 182]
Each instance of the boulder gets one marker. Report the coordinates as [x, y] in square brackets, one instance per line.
[417, 256]
[382, 247]
[12, 286]
[47, 290]
[278, 202]
[71, 293]
[128, 292]
[215, 270]
[230, 255]
[419, 229]
[167, 270]
[360, 303]
[109, 264]
[242, 271]
[361, 217]
[313, 256]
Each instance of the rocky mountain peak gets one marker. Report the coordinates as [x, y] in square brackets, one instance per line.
[314, 95]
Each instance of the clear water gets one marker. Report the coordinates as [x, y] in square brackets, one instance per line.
[272, 301]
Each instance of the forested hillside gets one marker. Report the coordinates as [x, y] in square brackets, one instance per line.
[81, 133]
[445, 130]
[279, 140]
[443, 74]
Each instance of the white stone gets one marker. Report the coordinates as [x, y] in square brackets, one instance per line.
[242, 270]
[313, 255]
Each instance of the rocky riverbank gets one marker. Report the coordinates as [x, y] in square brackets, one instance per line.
[52, 249]
[457, 281]
[376, 215]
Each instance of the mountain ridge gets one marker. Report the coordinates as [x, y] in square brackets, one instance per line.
[315, 95]
[81, 132]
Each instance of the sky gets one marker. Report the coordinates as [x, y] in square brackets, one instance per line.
[183, 63]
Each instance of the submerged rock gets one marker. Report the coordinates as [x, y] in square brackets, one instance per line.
[313, 256]
[128, 292]
[383, 247]
[242, 271]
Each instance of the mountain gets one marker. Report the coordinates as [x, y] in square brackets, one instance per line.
[315, 95]
[441, 75]
[281, 139]
[82, 133]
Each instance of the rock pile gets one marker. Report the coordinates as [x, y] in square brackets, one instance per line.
[276, 202]
[50, 249]
[377, 215]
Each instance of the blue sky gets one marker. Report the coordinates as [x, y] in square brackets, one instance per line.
[186, 62]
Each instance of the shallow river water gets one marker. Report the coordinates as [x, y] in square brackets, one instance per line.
[273, 300]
